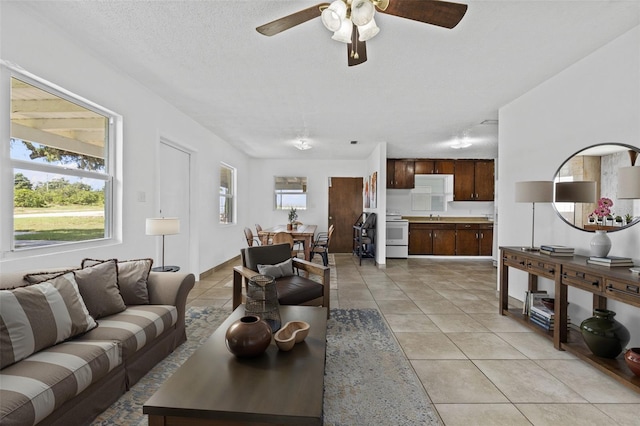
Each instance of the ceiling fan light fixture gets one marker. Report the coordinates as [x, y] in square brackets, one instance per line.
[362, 12]
[302, 145]
[368, 31]
[333, 15]
[343, 35]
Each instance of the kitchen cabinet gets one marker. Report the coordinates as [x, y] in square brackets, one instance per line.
[400, 174]
[474, 180]
[432, 239]
[430, 167]
[474, 239]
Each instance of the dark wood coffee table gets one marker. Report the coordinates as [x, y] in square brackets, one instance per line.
[213, 387]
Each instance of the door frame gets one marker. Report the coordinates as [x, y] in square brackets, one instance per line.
[194, 261]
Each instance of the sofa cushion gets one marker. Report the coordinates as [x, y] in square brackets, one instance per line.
[282, 269]
[33, 388]
[38, 316]
[134, 327]
[132, 279]
[98, 286]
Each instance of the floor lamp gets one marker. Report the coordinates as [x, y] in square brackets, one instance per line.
[537, 191]
[163, 226]
[576, 192]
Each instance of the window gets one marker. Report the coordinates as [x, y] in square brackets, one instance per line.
[60, 152]
[227, 193]
[290, 192]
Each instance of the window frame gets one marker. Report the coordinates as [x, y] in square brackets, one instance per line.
[230, 197]
[111, 174]
[279, 193]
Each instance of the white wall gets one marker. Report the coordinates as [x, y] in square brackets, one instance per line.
[594, 101]
[45, 52]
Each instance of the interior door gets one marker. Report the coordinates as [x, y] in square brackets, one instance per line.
[345, 206]
[174, 202]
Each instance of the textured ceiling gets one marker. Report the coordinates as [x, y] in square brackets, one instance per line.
[421, 86]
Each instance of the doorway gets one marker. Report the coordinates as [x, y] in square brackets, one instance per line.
[345, 206]
[174, 201]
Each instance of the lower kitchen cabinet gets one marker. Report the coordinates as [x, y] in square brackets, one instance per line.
[474, 239]
[448, 239]
[432, 238]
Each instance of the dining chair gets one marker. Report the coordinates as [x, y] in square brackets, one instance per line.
[251, 240]
[259, 230]
[285, 238]
[321, 245]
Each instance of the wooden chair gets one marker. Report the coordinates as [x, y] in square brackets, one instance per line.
[251, 240]
[292, 290]
[259, 230]
[285, 238]
[321, 245]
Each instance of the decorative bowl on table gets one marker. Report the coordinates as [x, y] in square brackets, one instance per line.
[632, 358]
[291, 333]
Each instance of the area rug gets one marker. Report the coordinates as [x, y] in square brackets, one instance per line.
[368, 381]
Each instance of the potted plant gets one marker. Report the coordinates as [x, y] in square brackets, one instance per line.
[619, 220]
[628, 218]
[293, 217]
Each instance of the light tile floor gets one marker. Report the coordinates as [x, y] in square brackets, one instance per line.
[478, 368]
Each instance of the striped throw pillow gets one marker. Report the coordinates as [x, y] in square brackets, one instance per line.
[39, 316]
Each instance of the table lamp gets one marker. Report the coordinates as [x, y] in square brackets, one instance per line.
[576, 192]
[534, 192]
[163, 226]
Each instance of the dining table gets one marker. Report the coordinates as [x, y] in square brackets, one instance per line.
[304, 233]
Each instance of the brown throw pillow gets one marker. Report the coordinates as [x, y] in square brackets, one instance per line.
[40, 277]
[132, 279]
[98, 286]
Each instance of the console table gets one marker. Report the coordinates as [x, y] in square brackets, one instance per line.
[616, 283]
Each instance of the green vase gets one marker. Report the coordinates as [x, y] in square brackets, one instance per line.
[604, 336]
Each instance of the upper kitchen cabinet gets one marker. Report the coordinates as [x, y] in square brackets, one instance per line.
[431, 167]
[400, 174]
[474, 180]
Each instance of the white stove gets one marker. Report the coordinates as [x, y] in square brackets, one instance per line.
[397, 243]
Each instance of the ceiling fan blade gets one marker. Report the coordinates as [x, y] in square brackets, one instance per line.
[441, 13]
[356, 50]
[290, 21]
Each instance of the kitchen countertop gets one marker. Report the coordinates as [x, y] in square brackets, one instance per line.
[447, 219]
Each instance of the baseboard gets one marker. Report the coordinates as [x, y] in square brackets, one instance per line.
[231, 262]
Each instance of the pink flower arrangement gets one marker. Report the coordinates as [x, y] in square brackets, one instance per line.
[604, 207]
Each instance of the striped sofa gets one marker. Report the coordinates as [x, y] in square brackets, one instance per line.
[74, 379]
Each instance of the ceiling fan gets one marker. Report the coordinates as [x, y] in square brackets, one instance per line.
[352, 21]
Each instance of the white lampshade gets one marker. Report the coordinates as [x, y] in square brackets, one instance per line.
[576, 192]
[333, 15]
[368, 31]
[537, 191]
[344, 33]
[362, 12]
[163, 226]
[629, 182]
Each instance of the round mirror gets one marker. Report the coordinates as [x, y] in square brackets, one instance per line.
[596, 168]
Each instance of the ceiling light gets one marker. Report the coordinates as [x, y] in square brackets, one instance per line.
[341, 15]
[302, 145]
[461, 143]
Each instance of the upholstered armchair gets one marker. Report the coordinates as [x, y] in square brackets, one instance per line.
[293, 276]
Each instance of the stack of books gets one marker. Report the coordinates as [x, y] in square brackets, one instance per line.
[555, 250]
[610, 261]
[539, 314]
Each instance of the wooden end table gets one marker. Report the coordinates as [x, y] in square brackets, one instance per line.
[213, 387]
